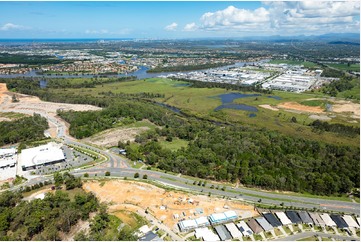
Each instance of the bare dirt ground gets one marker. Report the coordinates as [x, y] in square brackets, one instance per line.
[109, 138]
[300, 107]
[347, 107]
[164, 205]
[29, 104]
[320, 117]
[267, 106]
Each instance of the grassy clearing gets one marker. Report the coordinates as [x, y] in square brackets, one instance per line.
[315, 103]
[201, 102]
[287, 229]
[131, 219]
[292, 62]
[346, 67]
[278, 232]
[12, 115]
[174, 145]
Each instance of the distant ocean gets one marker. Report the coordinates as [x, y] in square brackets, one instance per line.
[44, 41]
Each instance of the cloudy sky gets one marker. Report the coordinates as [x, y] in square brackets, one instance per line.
[176, 19]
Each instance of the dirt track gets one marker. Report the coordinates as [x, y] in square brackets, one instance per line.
[299, 107]
[111, 137]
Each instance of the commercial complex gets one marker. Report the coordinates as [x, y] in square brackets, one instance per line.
[41, 156]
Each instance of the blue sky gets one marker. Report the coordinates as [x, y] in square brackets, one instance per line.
[175, 19]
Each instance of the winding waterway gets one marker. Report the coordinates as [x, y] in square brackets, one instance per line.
[141, 73]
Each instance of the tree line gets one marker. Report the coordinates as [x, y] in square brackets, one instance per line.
[24, 129]
[335, 128]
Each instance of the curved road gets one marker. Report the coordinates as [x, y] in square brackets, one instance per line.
[119, 167]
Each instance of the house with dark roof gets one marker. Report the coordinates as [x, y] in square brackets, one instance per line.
[305, 217]
[271, 218]
[150, 236]
[293, 216]
[223, 232]
[339, 221]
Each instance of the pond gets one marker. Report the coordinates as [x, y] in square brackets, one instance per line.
[275, 97]
[237, 107]
[230, 97]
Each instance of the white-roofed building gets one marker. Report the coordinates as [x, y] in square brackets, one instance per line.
[244, 228]
[8, 157]
[283, 218]
[202, 221]
[350, 221]
[231, 215]
[7, 152]
[217, 218]
[235, 232]
[41, 156]
[206, 234]
[328, 220]
[187, 225]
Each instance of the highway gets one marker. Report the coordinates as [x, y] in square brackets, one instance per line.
[118, 167]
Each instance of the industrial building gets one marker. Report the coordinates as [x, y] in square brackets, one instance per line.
[217, 218]
[272, 219]
[8, 158]
[202, 222]
[41, 156]
[187, 225]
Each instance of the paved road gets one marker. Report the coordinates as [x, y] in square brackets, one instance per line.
[318, 234]
[119, 167]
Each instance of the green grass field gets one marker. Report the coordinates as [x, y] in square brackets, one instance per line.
[292, 62]
[12, 115]
[201, 102]
[346, 67]
[174, 145]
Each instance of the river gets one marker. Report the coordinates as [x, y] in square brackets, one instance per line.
[141, 73]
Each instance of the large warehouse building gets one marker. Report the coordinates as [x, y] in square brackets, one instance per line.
[41, 156]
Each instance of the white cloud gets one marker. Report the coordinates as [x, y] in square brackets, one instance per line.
[190, 27]
[10, 26]
[232, 16]
[290, 17]
[102, 31]
[171, 27]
